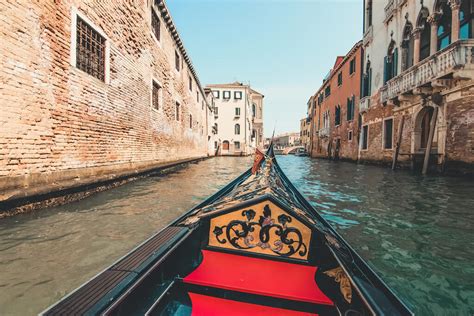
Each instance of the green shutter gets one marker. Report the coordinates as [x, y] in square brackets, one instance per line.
[395, 62]
[385, 70]
[369, 83]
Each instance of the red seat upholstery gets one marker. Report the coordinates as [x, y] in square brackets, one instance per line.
[258, 276]
[203, 305]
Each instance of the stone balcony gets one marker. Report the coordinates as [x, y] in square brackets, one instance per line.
[445, 65]
[392, 7]
[364, 104]
[368, 35]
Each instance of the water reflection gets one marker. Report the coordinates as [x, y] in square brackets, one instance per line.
[415, 231]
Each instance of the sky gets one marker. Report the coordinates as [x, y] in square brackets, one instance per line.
[283, 48]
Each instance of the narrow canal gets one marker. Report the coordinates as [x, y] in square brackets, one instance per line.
[415, 231]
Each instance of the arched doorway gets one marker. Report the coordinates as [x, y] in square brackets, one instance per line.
[425, 120]
[225, 145]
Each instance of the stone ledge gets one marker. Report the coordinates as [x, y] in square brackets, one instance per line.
[30, 192]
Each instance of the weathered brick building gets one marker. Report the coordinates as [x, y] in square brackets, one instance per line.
[335, 116]
[91, 90]
[418, 88]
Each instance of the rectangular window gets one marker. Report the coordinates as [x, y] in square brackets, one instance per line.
[339, 79]
[337, 116]
[90, 50]
[365, 137]
[350, 108]
[215, 145]
[216, 94]
[190, 121]
[155, 24]
[237, 111]
[352, 66]
[388, 134]
[156, 95]
[238, 95]
[327, 91]
[237, 145]
[190, 83]
[176, 60]
[226, 95]
[177, 110]
[349, 136]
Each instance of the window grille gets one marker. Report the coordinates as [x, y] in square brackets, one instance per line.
[155, 24]
[90, 50]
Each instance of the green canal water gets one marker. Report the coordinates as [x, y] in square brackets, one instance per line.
[416, 232]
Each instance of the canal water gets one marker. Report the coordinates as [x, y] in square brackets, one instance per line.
[416, 232]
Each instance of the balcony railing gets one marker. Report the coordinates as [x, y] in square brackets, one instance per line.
[324, 132]
[449, 60]
[364, 104]
[392, 7]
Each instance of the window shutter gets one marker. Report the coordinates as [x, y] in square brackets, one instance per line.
[353, 107]
[385, 70]
[369, 81]
[395, 62]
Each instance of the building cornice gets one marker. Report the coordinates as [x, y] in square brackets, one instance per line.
[341, 64]
[166, 16]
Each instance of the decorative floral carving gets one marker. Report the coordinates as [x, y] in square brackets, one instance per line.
[240, 233]
[344, 283]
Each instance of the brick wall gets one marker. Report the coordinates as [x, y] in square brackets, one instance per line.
[55, 117]
[349, 88]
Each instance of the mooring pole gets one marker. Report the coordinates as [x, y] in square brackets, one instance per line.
[399, 141]
[430, 140]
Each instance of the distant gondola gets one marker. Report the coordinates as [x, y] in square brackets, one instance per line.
[256, 247]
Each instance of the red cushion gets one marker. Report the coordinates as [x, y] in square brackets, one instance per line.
[203, 305]
[258, 276]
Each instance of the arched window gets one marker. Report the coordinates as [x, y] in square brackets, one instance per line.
[337, 116]
[407, 46]
[444, 24]
[424, 28]
[254, 110]
[237, 129]
[391, 62]
[367, 79]
[466, 20]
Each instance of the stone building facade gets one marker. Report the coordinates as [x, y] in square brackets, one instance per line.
[93, 89]
[257, 118]
[334, 111]
[305, 131]
[238, 112]
[418, 90]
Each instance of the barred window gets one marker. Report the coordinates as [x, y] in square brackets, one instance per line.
[156, 95]
[155, 24]
[90, 50]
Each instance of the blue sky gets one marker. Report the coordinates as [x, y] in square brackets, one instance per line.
[284, 48]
